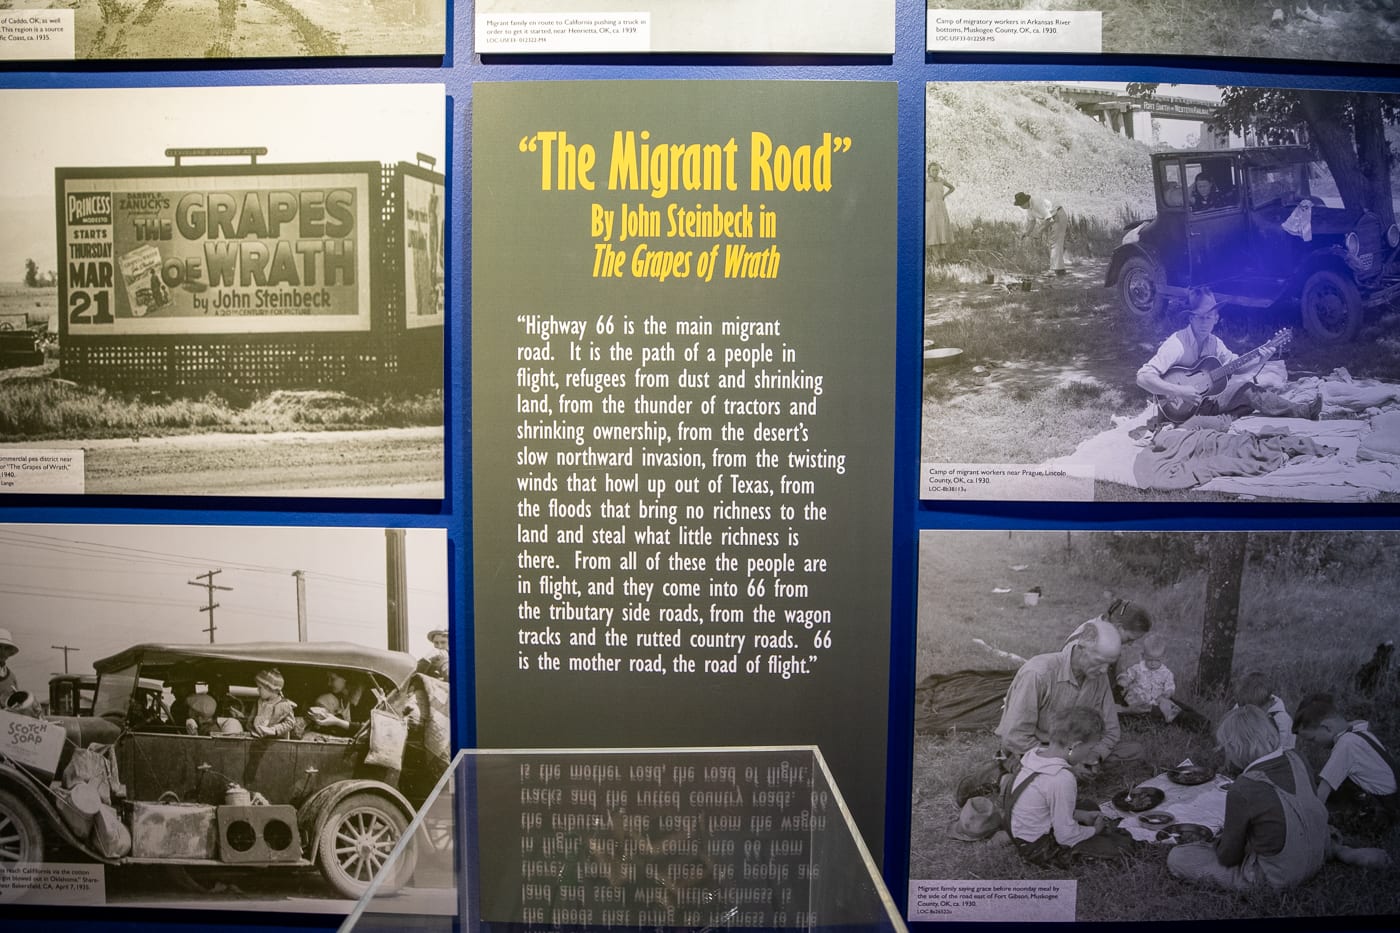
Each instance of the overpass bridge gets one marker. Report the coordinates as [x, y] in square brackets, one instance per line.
[1132, 117]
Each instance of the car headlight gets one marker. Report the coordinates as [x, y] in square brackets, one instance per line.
[1353, 244]
[1392, 236]
[1132, 236]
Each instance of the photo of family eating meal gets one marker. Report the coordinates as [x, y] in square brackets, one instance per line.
[1155, 725]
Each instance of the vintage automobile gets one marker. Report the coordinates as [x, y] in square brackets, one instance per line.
[217, 800]
[72, 695]
[1220, 223]
[19, 348]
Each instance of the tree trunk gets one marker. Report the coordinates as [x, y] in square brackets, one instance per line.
[1323, 111]
[1226, 556]
[1373, 154]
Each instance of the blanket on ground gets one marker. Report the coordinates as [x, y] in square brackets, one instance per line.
[1352, 455]
[1186, 457]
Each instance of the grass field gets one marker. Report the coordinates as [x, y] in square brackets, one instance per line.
[36, 406]
[36, 304]
[43, 408]
[1312, 608]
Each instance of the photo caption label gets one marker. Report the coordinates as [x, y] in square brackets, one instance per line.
[1071, 482]
[36, 34]
[1015, 31]
[59, 883]
[40, 470]
[572, 32]
[993, 901]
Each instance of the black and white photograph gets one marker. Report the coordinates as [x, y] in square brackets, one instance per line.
[1160, 292]
[224, 291]
[832, 27]
[190, 29]
[1180, 726]
[237, 718]
[1320, 30]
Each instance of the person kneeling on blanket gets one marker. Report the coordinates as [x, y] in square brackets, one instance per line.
[1275, 833]
[1188, 347]
[1039, 800]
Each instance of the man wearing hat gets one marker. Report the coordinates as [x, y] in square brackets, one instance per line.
[275, 716]
[1195, 342]
[8, 649]
[435, 664]
[1042, 214]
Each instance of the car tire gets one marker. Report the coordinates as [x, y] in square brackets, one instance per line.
[21, 843]
[355, 842]
[1140, 288]
[1331, 307]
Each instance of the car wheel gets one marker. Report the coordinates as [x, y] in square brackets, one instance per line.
[1331, 307]
[1140, 288]
[21, 844]
[356, 841]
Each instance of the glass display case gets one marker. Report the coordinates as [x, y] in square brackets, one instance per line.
[752, 838]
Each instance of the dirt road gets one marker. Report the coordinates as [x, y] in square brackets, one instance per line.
[389, 463]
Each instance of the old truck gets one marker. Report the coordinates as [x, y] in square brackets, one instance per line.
[187, 799]
[1249, 224]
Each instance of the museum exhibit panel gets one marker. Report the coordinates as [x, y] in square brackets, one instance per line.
[774, 391]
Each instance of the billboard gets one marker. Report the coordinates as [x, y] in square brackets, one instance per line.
[424, 267]
[214, 250]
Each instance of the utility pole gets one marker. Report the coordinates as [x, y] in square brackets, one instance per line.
[301, 604]
[65, 649]
[396, 588]
[209, 587]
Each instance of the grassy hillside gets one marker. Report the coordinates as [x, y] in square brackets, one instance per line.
[994, 140]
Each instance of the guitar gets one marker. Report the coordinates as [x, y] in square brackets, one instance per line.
[1208, 377]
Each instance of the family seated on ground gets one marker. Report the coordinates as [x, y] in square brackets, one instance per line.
[1060, 720]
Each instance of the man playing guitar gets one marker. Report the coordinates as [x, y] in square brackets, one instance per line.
[1194, 344]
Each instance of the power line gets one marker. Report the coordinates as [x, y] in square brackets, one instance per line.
[210, 586]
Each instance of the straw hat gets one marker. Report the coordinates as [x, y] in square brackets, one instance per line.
[7, 644]
[978, 820]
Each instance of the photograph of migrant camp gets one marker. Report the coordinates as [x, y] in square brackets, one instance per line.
[1316, 30]
[1134, 726]
[244, 298]
[238, 718]
[1166, 293]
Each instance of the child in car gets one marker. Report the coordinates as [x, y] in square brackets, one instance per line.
[275, 716]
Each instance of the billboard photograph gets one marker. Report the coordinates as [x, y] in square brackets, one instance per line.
[210, 309]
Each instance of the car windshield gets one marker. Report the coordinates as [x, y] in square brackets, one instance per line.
[114, 693]
[1278, 184]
